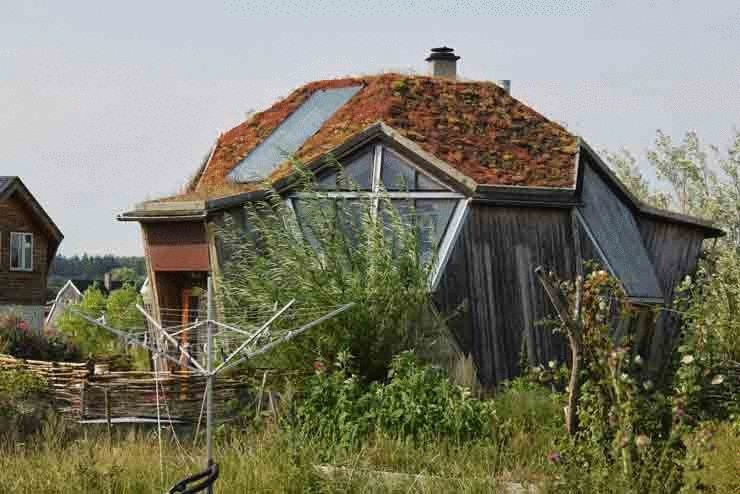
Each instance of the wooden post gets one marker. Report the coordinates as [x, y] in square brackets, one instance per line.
[106, 397]
[82, 399]
[259, 398]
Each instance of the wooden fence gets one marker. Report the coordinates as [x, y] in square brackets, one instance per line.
[76, 391]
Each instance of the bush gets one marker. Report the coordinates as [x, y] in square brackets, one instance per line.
[18, 340]
[23, 403]
[418, 401]
[334, 252]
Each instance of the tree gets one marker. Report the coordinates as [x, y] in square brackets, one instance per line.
[119, 311]
[625, 166]
[90, 338]
[702, 180]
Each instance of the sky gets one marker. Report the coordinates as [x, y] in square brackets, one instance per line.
[106, 104]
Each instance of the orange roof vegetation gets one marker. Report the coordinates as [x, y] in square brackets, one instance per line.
[476, 127]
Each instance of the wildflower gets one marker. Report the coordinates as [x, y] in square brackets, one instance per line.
[687, 359]
[638, 360]
[552, 364]
[318, 367]
[648, 385]
[718, 379]
[680, 413]
[624, 377]
[554, 457]
[642, 441]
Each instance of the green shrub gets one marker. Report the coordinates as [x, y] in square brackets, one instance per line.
[19, 340]
[23, 403]
[418, 401]
[333, 253]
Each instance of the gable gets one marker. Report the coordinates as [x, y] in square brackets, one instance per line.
[614, 233]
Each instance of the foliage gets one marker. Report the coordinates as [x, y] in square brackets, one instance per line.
[22, 403]
[418, 401]
[119, 311]
[626, 430]
[127, 275]
[89, 267]
[338, 252]
[702, 181]
[711, 463]
[627, 170]
[19, 340]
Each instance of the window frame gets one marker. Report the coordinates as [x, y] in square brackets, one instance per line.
[22, 254]
[452, 229]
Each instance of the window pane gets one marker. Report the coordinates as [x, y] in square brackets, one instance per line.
[315, 217]
[351, 215]
[395, 174]
[15, 251]
[434, 216]
[425, 183]
[358, 172]
[27, 251]
[431, 217]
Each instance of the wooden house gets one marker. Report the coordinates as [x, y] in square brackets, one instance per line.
[505, 188]
[28, 242]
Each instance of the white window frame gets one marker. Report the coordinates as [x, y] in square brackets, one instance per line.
[22, 255]
[448, 240]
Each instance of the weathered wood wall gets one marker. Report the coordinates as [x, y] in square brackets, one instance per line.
[490, 278]
[674, 250]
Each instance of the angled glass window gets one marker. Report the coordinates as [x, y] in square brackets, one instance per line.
[379, 184]
[397, 174]
[290, 135]
[430, 218]
[613, 229]
[356, 174]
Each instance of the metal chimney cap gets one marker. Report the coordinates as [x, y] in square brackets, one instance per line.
[443, 53]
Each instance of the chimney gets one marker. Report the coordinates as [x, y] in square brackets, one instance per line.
[443, 62]
[506, 85]
[108, 281]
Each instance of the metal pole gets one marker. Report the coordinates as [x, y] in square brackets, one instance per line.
[209, 379]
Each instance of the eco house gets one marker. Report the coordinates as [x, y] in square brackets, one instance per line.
[505, 189]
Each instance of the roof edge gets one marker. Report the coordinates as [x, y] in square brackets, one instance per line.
[709, 228]
[16, 184]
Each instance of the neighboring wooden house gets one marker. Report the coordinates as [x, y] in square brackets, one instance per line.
[505, 188]
[28, 242]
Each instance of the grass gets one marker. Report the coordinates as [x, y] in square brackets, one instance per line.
[251, 462]
[269, 460]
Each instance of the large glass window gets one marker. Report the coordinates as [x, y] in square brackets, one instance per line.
[376, 179]
[21, 251]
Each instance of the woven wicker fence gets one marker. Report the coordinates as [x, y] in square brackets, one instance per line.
[76, 391]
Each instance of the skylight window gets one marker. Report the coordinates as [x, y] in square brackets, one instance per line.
[290, 135]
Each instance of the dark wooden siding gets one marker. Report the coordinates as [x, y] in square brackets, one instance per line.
[490, 279]
[674, 250]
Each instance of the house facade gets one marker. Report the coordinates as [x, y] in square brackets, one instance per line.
[504, 189]
[28, 242]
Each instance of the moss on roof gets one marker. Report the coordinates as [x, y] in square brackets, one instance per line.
[476, 127]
